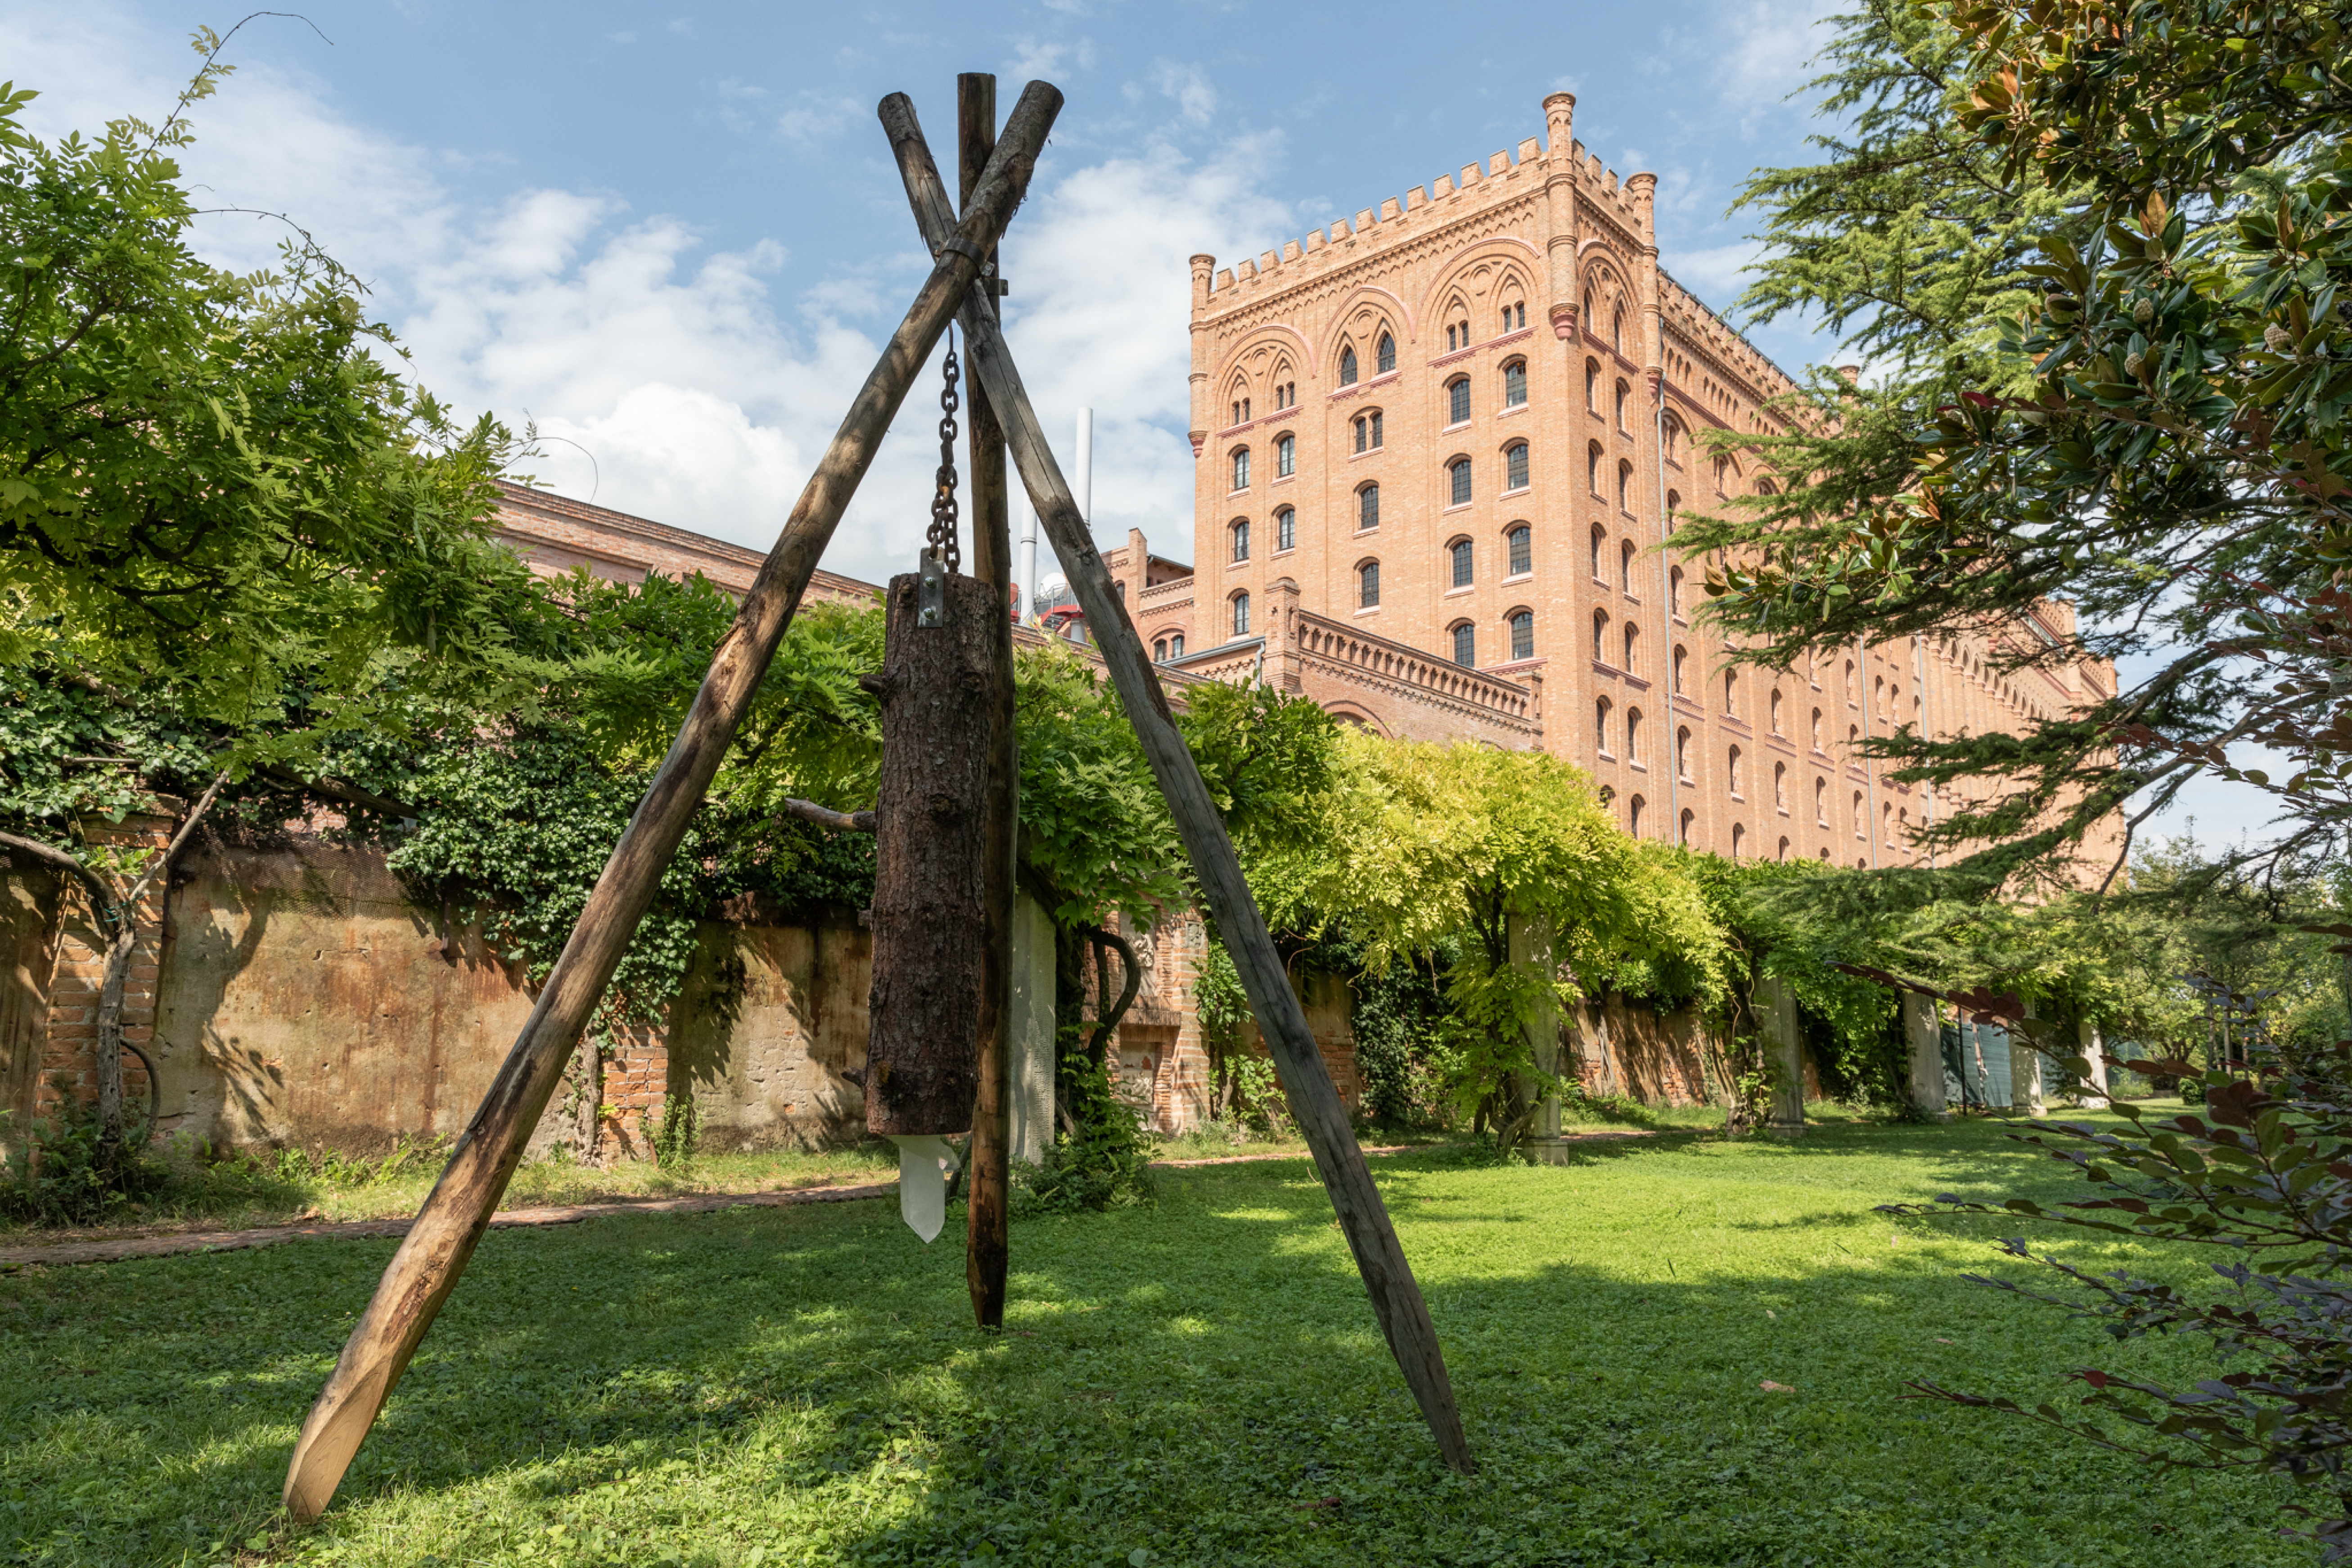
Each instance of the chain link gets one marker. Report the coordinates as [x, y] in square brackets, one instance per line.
[941, 538]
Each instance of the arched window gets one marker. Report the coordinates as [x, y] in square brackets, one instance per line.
[1601, 726]
[1887, 823]
[1784, 849]
[1731, 692]
[1681, 656]
[1721, 464]
[1240, 539]
[1241, 614]
[1348, 366]
[1457, 401]
[1682, 753]
[1368, 431]
[1632, 647]
[1176, 646]
[1241, 469]
[1522, 549]
[1466, 645]
[1817, 729]
[1688, 816]
[1159, 649]
[1600, 637]
[1600, 538]
[1624, 486]
[1386, 353]
[1285, 457]
[1821, 803]
[1458, 471]
[1780, 785]
[1623, 392]
[1673, 505]
[1461, 551]
[1514, 382]
[1449, 338]
[1739, 839]
[1625, 566]
[1368, 585]
[1593, 386]
[1368, 508]
[1617, 329]
[1592, 471]
[1632, 734]
[1861, 823]
[1852, 737]
[1673, 442]
[1674, 591]
[1523, 635]
[1514, 466]
[1776, 711]
[1732, 768]
[1286, 530]
[1633, 816]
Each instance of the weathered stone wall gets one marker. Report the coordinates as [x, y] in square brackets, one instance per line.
[1635, 1051]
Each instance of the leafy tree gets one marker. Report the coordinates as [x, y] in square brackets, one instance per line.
[2124, 385]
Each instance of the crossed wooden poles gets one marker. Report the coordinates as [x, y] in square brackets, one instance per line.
[453, 1217]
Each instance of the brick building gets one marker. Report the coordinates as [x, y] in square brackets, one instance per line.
[1437, 450]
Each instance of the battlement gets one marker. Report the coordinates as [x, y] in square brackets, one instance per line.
[1702, 324]
[1503, 177]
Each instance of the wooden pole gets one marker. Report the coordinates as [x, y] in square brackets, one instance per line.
[427, 1266]
[1339, 1159]
[988, 1231]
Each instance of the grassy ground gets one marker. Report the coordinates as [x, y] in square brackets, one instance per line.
[1196, 1383]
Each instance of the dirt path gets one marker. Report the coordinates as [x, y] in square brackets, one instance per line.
[115, 1250]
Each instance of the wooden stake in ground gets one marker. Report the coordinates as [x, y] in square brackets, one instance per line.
[988, 1212]
[452, 1221]
[1388, 1277]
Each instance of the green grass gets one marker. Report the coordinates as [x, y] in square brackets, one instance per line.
[1184, 1385]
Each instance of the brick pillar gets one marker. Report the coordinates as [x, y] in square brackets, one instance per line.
[69, 1056]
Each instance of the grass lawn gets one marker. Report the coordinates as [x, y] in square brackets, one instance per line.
[1197, 1383]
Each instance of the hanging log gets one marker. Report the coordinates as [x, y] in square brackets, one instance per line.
[453, 1217]
[1322, 1117]
[930, 828]
[988, 1218]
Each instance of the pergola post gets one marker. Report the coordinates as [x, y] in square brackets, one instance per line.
[2095, 1059]
[1531, 949]
[1785, 1051]
[1030, 1072]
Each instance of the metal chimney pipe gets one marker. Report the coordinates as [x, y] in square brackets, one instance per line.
[1028, 551]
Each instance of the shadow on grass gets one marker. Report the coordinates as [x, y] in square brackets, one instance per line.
[1199, 1383]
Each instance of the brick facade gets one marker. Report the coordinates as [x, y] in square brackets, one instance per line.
[1503, 352]
[75, 947]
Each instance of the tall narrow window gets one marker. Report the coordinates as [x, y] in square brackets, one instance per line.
[1731, 692]
[1388, 353]
[1632, 646]
[1780, 785]
[1523, 556]
[1623, 392]
[1461, 553]
[1600, 637]
[1601, 726]
[1285, 457]
[1241, 469]
[1731, 771]
[1682, 753]
[1159, 650]
[1348, 366]
[1515, 384]
[1457, 401]
[1368, 507]
[1632, 734]
[1817, 729]
[1592, 471]
[1523, 635]
[1625, 566]
[1449, 340]
[1241, 614]
[1673, 442]
[1286, 530]
[1368, 585]
[1514, 466]
[1776, 711]
[1600, 538]
[1624, 486]
[1176, 646]
[1460, 471]
[1681, 656]
[1363, 433]
[1820, 803]
[1674, 591]
[1593, 386]
[1376, 427]
[1617, 329]
[1241, 540]
[1861, 823]
[1466, 645]
[1739, 839]
[1633, 816]
[1673, 505]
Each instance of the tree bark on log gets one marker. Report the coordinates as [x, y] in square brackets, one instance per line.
[1339, 1159]
[454, 1216]
[988, 1216]
[929, 837]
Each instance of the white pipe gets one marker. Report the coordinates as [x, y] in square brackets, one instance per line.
[1028, 551]
[1084, 489]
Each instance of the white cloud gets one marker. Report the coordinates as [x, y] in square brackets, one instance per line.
[1189, 86]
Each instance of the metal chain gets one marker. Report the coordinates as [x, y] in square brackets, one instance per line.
[942, 535]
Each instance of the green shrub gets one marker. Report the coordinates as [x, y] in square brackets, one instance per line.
[53, 1177]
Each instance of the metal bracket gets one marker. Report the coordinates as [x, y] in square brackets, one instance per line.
[930, 590]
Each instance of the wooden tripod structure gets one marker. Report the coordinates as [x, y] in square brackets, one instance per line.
[961, 285]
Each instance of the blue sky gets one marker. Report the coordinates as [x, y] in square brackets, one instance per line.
[674, 238]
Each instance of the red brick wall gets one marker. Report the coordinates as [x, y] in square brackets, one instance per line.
[69, 1063]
